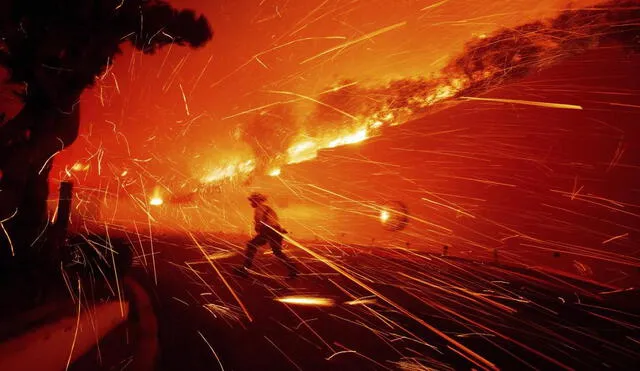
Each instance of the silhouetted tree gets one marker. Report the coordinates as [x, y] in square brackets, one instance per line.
[56, 49]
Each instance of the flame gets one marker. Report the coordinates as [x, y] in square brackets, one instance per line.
[156, 198]
[306, 300]
[369, 126]
[302, 151]
[357, 137]
[308, 149]
[362, 128]
[232, 170]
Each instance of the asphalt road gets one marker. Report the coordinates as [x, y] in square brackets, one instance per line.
[384, 308]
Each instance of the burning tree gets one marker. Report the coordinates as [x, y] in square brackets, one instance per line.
[56, 49]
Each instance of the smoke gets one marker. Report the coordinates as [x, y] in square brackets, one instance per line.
[269, 134]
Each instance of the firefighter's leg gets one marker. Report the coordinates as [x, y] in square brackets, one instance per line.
[275, 242]
[252, 248]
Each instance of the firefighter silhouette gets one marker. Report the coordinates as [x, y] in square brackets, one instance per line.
[268, 231]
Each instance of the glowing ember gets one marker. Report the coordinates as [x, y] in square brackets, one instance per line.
[306, 300]
[156, 199]
[275, 172]
[394, 216]
[527, 103]
[384, 216]
[221, 255]
[78, 166]
[362, 301]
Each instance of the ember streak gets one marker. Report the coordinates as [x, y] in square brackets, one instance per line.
[506, 131]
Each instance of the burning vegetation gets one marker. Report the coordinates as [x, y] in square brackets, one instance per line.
[351, 112]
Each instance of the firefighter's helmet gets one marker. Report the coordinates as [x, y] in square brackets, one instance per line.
[257, 197]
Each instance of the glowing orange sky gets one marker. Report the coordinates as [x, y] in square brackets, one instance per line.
[140, 101]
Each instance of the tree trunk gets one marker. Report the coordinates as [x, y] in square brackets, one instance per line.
[30, 141]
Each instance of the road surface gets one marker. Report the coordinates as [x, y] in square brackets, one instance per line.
[370, 308]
